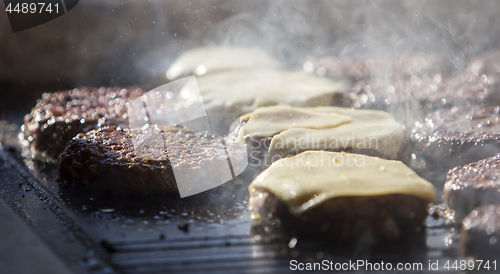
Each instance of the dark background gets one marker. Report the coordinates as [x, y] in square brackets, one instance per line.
[133, 42]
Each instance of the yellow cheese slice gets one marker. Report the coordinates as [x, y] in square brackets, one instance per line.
[367, 129]
[312, 177]
[268, 121]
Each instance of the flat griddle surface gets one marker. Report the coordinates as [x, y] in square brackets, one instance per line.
[171, 235]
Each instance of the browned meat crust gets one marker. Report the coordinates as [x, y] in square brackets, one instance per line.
[384, 216]
[473, 185]
[58, 117]
[104, 160]
[481, 232]
[451, 137]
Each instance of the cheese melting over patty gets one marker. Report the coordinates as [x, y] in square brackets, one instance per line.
[308, 179]
[322, 128]
[243, 91]
[268, 121]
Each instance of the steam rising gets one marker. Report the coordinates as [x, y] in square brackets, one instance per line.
[293, 31]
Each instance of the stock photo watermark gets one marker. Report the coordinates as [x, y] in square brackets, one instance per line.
[26, 14]
[180, 103]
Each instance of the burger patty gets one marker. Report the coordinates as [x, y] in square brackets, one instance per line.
[384, 216]
[453, 137]
[473, 185]
[481, 232]
[368, 132]
[343, 195]
[58, 117]
[105, 160]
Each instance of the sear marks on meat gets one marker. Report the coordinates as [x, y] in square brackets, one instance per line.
[385, 216]
[58, 117]
[481, 232]
[473, 185]
[452, 137]
[104, 160]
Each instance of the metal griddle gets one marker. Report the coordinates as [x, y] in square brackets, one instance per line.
[181, 235]
[114, 43]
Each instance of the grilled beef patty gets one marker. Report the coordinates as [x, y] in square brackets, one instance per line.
[104, 160]
[481, 232]
[341, 194]
[383, 216]
[452, 137]
[473, 185]
[368, 132]
[58, 117]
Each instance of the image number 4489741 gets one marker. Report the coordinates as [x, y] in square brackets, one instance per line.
[26, 14]
[32, 8]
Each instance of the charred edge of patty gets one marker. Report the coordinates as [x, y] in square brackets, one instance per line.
[58, 117]
[49, 143]
[92, 165]
[384, 216]
[473, 185]
[463, 201]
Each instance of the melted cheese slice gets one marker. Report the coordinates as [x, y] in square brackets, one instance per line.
[367, 129]
[312, 177]
[241, 92]
[204, 60]
[268, 121]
